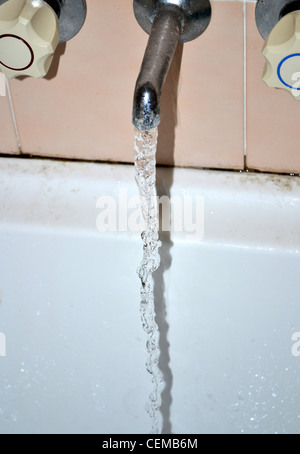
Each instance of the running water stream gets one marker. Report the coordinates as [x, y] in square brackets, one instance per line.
[145, 145]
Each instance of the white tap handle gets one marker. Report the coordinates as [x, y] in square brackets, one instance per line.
[29, 35]
[282, 54]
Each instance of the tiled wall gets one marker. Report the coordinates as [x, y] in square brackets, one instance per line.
[223, 111]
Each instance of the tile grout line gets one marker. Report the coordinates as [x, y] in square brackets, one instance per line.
[245, 79]
[12, 110]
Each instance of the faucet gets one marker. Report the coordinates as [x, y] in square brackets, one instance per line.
[169, 23]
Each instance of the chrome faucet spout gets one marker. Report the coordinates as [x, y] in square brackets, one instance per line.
[168, 22]
[162, 43]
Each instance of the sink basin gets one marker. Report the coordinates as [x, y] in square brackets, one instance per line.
[227, 303]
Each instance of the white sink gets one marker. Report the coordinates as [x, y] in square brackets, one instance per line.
[69, 311]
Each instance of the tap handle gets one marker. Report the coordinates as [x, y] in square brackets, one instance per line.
[29, 35]
[282, 54]
[278, 22]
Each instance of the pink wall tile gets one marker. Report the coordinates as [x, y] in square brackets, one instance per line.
[272, 114]
[8, 140]
[85, 111]
[210, 111]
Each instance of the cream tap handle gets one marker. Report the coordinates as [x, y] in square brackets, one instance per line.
[282, 54]
[29, 35]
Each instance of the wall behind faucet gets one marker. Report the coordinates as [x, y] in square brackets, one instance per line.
[223, 117]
